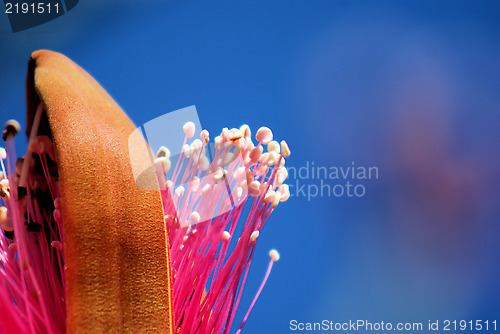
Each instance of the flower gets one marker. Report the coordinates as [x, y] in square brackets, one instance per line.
[86, 248]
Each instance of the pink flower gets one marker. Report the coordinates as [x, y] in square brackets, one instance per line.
[85, 249]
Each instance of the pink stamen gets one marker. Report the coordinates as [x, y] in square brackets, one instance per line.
[205, 206]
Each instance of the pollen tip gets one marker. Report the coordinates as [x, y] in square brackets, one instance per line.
[273, 146]
[264, 135]
[188, 129]
[254, 236]
[163, 152]
[285, 150]
[275, 256]
[12, 127]
[195, 217]
[179, 191]
[225, 236]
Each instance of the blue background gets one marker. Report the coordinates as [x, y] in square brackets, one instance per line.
[411, 87]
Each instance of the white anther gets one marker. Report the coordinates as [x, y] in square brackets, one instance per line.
[235, 134]
[4, 184]
[195, 183]
[239, 192]
[163, 152]
[254, 188]
[218, 142]
[218, 174]
[264, 158]
[285, 192]
[264, 135]
[186, 150]
[263, 187]
[227, 134]
[270, 196]
[188, 129]
[228, 158]
[241, 143]
[275, 256]
[162, 165]
[273, 146]
[169, 184]
[204, 163]
[205, 189]
[276, 201]
[205, 135]
[179, 191]
[225, 236]
[57, 203]
[245, 129]
[3, 153]
[249, 176]
[254, 236]
[196, 144]
[282, 175]
[195, 217]
[285, 150]
[239, 172]
[255, 154]
[273, 158]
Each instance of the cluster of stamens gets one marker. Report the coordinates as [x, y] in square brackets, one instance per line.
[212, 232]
[204, 202]
[31, 245]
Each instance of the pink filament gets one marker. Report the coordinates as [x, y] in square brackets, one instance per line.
[31, 273]
[209, 274]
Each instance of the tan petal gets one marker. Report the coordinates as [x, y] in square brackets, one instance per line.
[116, 251]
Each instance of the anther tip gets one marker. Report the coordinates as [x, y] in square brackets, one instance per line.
[189, 128]
[12, 127]
[275, 256]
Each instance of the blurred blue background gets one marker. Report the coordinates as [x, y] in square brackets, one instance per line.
[411, 87]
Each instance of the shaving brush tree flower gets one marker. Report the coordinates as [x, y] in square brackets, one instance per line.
[86, 248]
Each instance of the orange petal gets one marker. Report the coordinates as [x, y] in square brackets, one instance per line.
[117, 262]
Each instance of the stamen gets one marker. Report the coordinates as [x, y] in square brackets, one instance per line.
[12, 127]
[28, 155]
[254, 236]
[273, 146]
[225, 236]
[163, 152]
[264, 135]
[57, 245]
[285, 151]
[189, 128]
[274, 257]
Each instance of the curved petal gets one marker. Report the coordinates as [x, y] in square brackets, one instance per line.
[117, 263]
